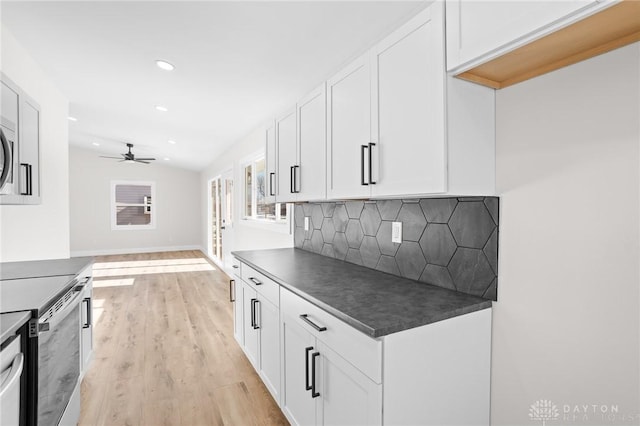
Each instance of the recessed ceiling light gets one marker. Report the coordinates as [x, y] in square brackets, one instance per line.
[172, 142]
[161, 108]
[95, 144]
[166, 158]
[164, 65]
[72, 118]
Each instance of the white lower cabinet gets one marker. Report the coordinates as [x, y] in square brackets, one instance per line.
[86, 320]
[236, 297]
[322, 371]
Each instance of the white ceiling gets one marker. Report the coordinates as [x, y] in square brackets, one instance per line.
[238, 64]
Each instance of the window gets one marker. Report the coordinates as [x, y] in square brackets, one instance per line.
[132, 205]
[255, 190]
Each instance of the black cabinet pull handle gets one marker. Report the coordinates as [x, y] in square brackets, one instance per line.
[253, 321]
[255, 281]
[235, 266]
[231, 292]
[26, 178]
[314, 394]
[362, 149]
[271, 176]
[305, 318]
[255, 314]
[306, 367]
[296, 185]
[371, 181]
[291, 181]
[87, 300]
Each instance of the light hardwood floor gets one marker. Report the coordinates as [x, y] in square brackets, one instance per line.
[164, 352]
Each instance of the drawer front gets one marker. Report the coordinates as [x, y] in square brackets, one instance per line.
[235, 264]
[360, 350]
[263, 285]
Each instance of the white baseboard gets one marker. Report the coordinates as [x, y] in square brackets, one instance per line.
[78, 253]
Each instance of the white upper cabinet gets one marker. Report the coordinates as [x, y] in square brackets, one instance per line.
[30, 149]
[311, 182]
[349, 131]
[478, 31]
[286, 137]
[408, 109]
[271, 156]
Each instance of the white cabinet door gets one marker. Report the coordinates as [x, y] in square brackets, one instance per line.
[477, 29]
[312, 126]
[29, 149]
[349, 130]
[271, 164]
[249, 325]
[268, 321]
[287, 157]
[347, 396]
[297, 402]
[237, 298]
[87, 326]
[409, 93]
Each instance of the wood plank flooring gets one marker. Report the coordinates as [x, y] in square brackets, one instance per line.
[164, 351]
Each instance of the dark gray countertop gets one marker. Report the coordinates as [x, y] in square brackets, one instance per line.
[373, 302]
[10, 323]
[32, 294]
[43, 268]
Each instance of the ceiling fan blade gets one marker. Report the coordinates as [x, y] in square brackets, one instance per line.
[145, 159]
[140, 161]
[116, 158]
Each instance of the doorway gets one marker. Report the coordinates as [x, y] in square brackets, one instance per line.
[221, 208]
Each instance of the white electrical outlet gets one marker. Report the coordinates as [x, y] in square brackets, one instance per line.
[396, 232]
[306, 223]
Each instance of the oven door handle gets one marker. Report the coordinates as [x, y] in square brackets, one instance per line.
[16, 370]
[60, 315]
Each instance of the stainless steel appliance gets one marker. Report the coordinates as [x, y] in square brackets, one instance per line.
[12, 363]
[59, 358]
[7, 157]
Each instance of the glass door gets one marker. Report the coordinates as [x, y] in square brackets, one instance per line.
[215, 219]
[221, 210]
[227, 217]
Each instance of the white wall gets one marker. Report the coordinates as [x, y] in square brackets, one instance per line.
[245, 234]
[567, 321]
[177, 206]
[38, 231]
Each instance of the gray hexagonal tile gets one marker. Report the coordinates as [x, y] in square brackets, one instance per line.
[389, 208]
[307, 245]
[328, 231]
[370, 219]
[354, 208]
[491, 251]
[298, 215]
[413, 221]
[307, 208]
[327, 250]
[298, 237]
[316, 241]
[317, 216]
[471, 224]
[438, 210]
[438, 276]
[493, 205]
[410, 260]
[470, 271]
[388, 264]
[354, 233]
[492, 290]
[370, 252]
[340, 245]
[353, 256]
[438, 244]
[328, 208]
[384, 239]
[340, 218]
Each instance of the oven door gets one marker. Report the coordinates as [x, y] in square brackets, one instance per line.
[58, 358]
[6, 160]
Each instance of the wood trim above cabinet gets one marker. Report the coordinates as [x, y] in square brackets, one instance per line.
[614, 27]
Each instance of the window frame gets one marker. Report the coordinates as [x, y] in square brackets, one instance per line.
[113, 206]
[279, 219]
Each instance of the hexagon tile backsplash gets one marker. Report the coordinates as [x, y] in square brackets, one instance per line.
[448, 242]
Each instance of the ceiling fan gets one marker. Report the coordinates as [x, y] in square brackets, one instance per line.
[129, 157]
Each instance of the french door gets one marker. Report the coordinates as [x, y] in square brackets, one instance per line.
[221, 209]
